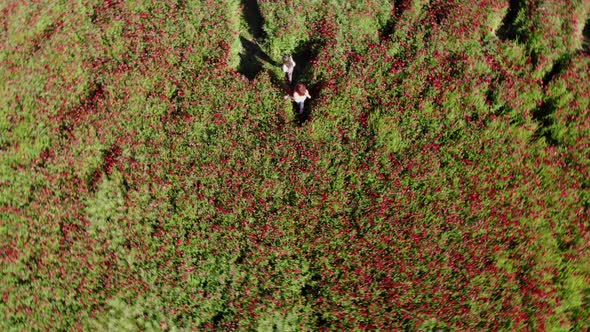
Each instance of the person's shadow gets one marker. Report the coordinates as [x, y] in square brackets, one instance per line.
[252, 55]
[251, 59]
[254, 19]
[301, 118]
[507, 29]
[586, 37]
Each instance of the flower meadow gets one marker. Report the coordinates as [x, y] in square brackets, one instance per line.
[153, 178]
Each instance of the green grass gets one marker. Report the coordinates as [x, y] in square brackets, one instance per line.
[152, 177]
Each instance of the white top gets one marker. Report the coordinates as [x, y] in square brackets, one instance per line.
[299, 98]
[288, 67]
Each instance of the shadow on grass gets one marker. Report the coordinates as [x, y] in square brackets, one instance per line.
[399, 6]
[301, 118]
[586, 37]
[252, 55]
[507, 30]
[558, 67]
[304, 55]
[251, 59]
[543, 115]
[254, 19]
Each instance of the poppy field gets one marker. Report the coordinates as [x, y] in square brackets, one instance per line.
[154, 178]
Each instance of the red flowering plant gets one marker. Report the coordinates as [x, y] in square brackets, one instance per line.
[149, 180]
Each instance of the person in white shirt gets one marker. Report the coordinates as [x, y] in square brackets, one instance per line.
[299, 95]
[288, 66]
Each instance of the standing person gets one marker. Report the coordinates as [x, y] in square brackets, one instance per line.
[299, 95]
[288, 66]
